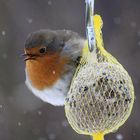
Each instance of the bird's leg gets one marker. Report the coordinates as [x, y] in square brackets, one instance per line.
[77, 61]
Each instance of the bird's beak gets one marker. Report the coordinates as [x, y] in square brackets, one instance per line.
[29, 56]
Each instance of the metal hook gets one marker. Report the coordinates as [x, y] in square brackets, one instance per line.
[89, 24]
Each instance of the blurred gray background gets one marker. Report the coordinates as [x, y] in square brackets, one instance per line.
[22, 115]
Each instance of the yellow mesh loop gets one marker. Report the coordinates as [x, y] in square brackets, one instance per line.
[98, 136]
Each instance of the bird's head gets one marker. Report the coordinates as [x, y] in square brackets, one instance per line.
[43, 43]
[47, 53]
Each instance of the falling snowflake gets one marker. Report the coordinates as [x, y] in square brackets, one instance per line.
[19, 124]
[3, 33]
[65, 123]
[134, 134]
[52, 136]
[4, 56]
[42, 138]
[39, 113]
[53, 72]
[24, 112]
[133, 24]
[138, 33]
[29, 20]
[1, 106]
[117, 20]
[49, 2]
[119, 137]
[139, 43]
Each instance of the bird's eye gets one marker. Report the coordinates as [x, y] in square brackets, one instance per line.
[42, 50]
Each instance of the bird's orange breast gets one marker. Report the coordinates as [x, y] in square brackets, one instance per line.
[45, 71]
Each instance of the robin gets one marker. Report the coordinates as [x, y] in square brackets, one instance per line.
[51, 58]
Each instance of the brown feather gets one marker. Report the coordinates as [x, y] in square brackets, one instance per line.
[46, 70]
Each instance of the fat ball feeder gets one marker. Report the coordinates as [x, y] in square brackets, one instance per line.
[101, 94]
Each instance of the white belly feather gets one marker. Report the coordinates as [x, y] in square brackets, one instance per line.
[54, 95]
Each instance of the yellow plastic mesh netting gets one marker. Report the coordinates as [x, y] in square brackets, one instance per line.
[101, 95]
